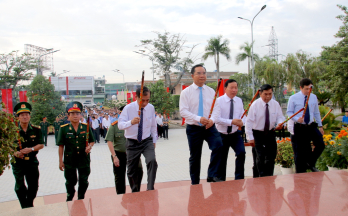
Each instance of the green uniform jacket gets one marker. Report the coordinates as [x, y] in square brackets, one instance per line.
[56, 126]
[44, 126]
[32, 137]
[117, 136]
[74, 143]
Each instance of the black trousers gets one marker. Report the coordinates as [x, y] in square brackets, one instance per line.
[196, 136]
[120, 172]
[71, 180]
[255, 171]
[159, 130]
[26, 171]
[165, 131]
[101, 131]
[301, 144]
[134, 151]
[105, 132]
[266, 152]
[44, 137]
[56, 135]
[96, 134]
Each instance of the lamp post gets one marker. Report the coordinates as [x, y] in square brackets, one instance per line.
[151, 58]
[64, 71]
[38, 61]
[252, 47]
[118, 71]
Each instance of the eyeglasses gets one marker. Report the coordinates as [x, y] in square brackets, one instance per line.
[200, 73]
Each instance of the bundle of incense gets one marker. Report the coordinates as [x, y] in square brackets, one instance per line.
[305, 108]
[216, 92]
[291, 116]
[141, 93]
[326, 115]
[246, 110]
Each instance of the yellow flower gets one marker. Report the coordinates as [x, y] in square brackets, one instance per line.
[332, 142]
[339, 153]
[339, 144]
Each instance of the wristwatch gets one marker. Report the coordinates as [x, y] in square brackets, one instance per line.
[113, 156]
[32, 149]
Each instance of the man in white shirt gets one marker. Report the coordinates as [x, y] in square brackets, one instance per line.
[263, 115]
[231, 111]
[195, 104]
[106, 124]
[95, 128]
[141, 134]
[159, 124]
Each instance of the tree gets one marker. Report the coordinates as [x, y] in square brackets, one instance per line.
[214, 48]
[44, 100]
[245, 92]
[166, 51]
[161, 99]
[336, 57]
[15, 68]
[246, 54]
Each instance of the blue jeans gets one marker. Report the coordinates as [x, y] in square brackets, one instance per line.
[235, 141]
[196, 135]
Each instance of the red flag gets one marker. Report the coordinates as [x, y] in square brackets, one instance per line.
[134, 94]
[222, 88]
[128, 97]
[23, 96]
[7, 99]
[117, 92]
[167, 89]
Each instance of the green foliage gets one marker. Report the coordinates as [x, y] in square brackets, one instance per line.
[244, 90]
[329, 122]
[161, 99]
[14, 68]
[246, 54]
[176, 99]
[8, 135]
[212, 85]
[322, 96]
[217, 46]
[44, 100]
[285, 154]
[115, 103]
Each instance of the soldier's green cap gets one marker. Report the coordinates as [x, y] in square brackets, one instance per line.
[74, 106]
[22, 107]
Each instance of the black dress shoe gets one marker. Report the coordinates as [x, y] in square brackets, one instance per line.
[313, 169]
[213, 179]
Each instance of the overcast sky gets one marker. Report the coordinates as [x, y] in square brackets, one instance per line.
[95, 37]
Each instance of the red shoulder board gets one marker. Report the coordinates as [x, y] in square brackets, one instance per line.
[115, 122]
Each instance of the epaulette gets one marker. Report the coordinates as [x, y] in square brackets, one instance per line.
[64, 125]
[113, 123]
[83, 123]
[38, 127]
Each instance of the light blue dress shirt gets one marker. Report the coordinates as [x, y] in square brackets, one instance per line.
[297, 102]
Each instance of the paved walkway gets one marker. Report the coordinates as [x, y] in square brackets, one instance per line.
[172, 157]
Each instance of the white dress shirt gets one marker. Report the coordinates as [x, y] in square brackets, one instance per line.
[149, 122]
[95, 123]
[224, 119]
[291, 124]
[189, 103]
[159, 120]
[256, 116]
[106, 123]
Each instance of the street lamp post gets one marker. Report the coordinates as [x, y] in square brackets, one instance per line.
[252, 47]
[38, 61]
[118, 71]
[64, 71]
[151, 58]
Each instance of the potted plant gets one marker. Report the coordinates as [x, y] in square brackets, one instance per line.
[285, 156]
[335, 153]
[8, 135]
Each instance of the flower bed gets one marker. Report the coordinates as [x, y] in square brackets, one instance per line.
[285, 153]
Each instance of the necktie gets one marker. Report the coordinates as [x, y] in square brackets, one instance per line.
[307, 115]
[200, 106]
[140, 127]
[266, 129]
[229, 128]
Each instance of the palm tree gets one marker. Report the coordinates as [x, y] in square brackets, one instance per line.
[214, 48]
[246, 48]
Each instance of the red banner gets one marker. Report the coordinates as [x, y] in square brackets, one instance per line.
[167, 89]
[134, 94]
[222, 87]
[128, 98]
[7, 99]
[23, 96]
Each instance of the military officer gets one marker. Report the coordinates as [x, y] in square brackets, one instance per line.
[72, 141]
[56, 126]
[117, 146]
[44, 129]
[26, 165]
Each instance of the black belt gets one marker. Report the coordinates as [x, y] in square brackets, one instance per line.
[203, 126]
[142, 141]
[304, 125]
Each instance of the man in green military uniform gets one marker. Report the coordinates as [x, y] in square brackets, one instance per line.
[44, 129]
[117, 146]
[56, 126]
[26, 165]
[72, 140]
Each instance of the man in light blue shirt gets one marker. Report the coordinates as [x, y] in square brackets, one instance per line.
[305, 129]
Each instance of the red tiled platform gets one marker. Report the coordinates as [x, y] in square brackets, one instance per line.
[321, 193]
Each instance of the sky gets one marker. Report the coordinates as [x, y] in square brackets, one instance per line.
[96, 37]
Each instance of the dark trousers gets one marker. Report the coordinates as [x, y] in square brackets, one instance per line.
[159, 130]
[96, 134]
[266, 152]
[301, 144]
[56, 135]
[196, 135]
[255, 171]
[235, 141]
[44, 137]
[165, 131]
[105, 130]
[101, 132]
[71, 180]
[120, 172]
[134, 151]
[28, 170]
